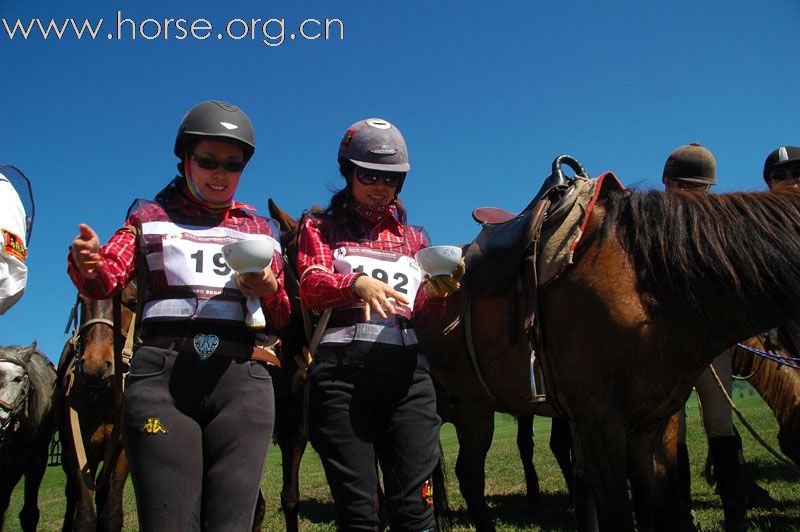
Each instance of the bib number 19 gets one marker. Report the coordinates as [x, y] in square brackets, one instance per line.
[218, 260]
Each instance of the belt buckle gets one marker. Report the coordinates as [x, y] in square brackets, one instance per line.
[205, 344]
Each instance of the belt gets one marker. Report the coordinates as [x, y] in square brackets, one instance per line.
[369, 333]
[206, 345]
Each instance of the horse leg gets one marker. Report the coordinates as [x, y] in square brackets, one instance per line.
[7, 482]
[110, 518]
[85, 519]
[601, 467]
[658, 503]
[561, 447]
[292, 443]
[29, 515]
[474, 428]
[525, 445]
[260, 511]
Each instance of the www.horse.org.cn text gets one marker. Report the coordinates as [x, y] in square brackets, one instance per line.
[269, 31]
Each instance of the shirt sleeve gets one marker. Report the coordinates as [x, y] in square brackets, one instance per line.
[320, 287]
[119, 264]
[277, 307]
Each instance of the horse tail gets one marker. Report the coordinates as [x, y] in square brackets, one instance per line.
[441, 507]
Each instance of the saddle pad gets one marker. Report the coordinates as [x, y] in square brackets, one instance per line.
[558, 242]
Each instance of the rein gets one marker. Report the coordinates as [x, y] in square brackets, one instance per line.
[778, 359]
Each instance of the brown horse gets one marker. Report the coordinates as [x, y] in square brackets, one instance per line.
[658, 282]
[290, 384]
[778, 385]
[91, 395]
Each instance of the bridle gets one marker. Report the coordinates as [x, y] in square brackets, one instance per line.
[75, 343]
[17, 409]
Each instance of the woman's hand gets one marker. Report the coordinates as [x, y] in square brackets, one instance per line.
[256, 285]
[376, 295]
[86, 252]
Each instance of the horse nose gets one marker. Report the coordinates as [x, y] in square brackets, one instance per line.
[96, 372]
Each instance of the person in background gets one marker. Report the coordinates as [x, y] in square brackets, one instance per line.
[782, 168]
[693, 169]
[199, 406]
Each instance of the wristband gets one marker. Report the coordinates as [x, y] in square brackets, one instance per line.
[358, 276]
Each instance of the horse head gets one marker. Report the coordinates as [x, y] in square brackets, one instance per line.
[95, 346]
[14, 383]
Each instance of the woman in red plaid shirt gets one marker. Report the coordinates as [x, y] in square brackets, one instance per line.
[199, 405]
[371, 396]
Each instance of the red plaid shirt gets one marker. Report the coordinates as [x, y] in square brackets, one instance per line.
[322, 288]
[121, 252]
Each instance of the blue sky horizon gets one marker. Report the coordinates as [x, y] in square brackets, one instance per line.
[485, 94]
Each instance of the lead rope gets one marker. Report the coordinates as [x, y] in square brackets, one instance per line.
[749, 427]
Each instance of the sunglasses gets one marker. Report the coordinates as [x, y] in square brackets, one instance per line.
[683, 185]
[782, 174]
[390, 179]
[211, 164]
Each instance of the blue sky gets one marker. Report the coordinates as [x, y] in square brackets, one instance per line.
[485, 93]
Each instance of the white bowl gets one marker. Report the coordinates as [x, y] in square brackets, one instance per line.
[248, 256]
[439, 260]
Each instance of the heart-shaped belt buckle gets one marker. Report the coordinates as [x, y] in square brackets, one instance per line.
[205, 345]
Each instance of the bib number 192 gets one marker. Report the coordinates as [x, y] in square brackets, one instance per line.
[382, 276]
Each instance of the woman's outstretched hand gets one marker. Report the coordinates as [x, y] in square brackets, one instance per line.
[86, 252]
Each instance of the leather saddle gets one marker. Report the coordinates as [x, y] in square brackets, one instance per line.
[494, 258]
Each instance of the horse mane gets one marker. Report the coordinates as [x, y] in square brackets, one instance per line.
[684, 245]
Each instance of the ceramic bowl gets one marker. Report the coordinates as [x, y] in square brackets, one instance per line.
[248, 256]
[439, 260]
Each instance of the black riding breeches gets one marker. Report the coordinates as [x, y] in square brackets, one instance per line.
[360, 417]
[196, 433]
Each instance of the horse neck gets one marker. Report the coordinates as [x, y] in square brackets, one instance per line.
[724, 266]
[779, 386]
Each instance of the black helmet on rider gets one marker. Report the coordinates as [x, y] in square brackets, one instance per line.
[782, 162]
[219, 120]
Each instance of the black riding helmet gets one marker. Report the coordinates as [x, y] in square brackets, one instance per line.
[781, 156]
[216, 119]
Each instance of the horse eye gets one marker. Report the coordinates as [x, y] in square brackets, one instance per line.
[18, 378]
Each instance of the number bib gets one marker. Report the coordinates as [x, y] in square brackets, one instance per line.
[399, 271]
[193, 279]
[191, 260]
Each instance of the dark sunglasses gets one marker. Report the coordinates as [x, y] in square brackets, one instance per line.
[390, 179]
[782, 174]
[683, 185]
[211, 164]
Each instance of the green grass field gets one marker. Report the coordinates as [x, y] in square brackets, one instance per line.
[505, 486]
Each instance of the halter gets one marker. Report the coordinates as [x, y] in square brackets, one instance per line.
[19, 408]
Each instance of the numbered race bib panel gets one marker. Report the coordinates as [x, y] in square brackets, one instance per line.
[397, 270]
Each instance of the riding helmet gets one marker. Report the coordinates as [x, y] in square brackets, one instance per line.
[691, 163]
[216, 119]
[780, 156]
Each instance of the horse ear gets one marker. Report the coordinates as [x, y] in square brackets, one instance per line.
[27, 352]
[286, 222]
